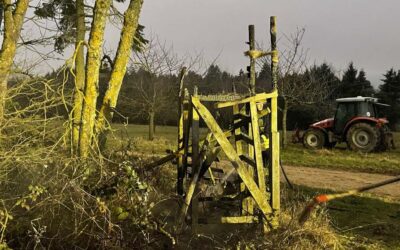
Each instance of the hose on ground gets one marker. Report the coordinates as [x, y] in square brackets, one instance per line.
[324, 198]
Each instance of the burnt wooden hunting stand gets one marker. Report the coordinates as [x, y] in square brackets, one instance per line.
[255, 193]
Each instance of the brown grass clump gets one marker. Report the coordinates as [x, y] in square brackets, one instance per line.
[315, 234]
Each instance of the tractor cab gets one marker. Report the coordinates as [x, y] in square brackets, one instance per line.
[358, 121]
[357, 108]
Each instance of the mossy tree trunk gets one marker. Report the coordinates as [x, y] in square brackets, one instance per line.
[1, 12]
[92, 75]
[131, 21]
[13, 21]
[79, 73]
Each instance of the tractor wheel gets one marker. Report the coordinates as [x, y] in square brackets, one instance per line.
[363, 137]
[314, 139]
[387, 142]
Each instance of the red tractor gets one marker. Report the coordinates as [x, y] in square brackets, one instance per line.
[358, 122]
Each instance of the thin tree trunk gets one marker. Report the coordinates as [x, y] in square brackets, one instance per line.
[284, 122]
[12, 28]
[131, 18]
[79, 73]
[92, 75]
[1, 12]
[151, 125]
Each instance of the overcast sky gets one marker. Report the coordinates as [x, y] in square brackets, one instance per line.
[337, 31]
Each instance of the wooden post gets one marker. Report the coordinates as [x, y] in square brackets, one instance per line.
[190, 198]
[186, 130]
[249, 201]
[239, 150]
[257, 146]
[179, 163]
[196, 165]
[274, 56]
[274, 134]
[179, 185]
[252, 81]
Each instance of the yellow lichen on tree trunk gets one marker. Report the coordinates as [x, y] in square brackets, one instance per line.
[128, 32]
[79, 73]
[92, 75]
[13, 20]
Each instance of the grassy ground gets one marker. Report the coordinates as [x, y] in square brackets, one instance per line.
[363, 218]
[369, 222]
[341, 158]
[294, 154]
[136, 137]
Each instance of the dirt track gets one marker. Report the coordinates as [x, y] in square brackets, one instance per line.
[340, 180]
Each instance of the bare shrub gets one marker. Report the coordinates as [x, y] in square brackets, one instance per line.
[52, 200]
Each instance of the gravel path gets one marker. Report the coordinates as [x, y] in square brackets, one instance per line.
[340, 180]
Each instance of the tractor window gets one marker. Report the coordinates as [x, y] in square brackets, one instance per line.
[366, 109]
[381, 111]
[340, 112]
[345, 111]
[371, 109]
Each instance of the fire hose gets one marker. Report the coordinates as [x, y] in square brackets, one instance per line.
[324, 198]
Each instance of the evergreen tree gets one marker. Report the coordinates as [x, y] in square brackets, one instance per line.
[324, 74]
[389, 93]
[355, 83]
[64, 14]
[191, 79]
[348, 85]
[212, 80]
[240, 83]
[363, 85]
[264, 81]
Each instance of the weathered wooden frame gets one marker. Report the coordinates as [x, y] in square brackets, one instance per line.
[261, 194]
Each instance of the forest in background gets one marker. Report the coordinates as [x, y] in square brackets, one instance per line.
[147, 93]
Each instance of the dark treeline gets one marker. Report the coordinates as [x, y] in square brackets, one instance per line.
[152, 98]
[143, 96]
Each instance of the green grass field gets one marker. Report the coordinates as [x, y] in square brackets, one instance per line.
[294, 154]
[341, 158]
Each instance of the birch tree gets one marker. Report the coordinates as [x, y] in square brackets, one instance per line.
[14, 14]
[79, 73]
[70, 16]
[88, 119]
[92, 75]
[128, 32]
